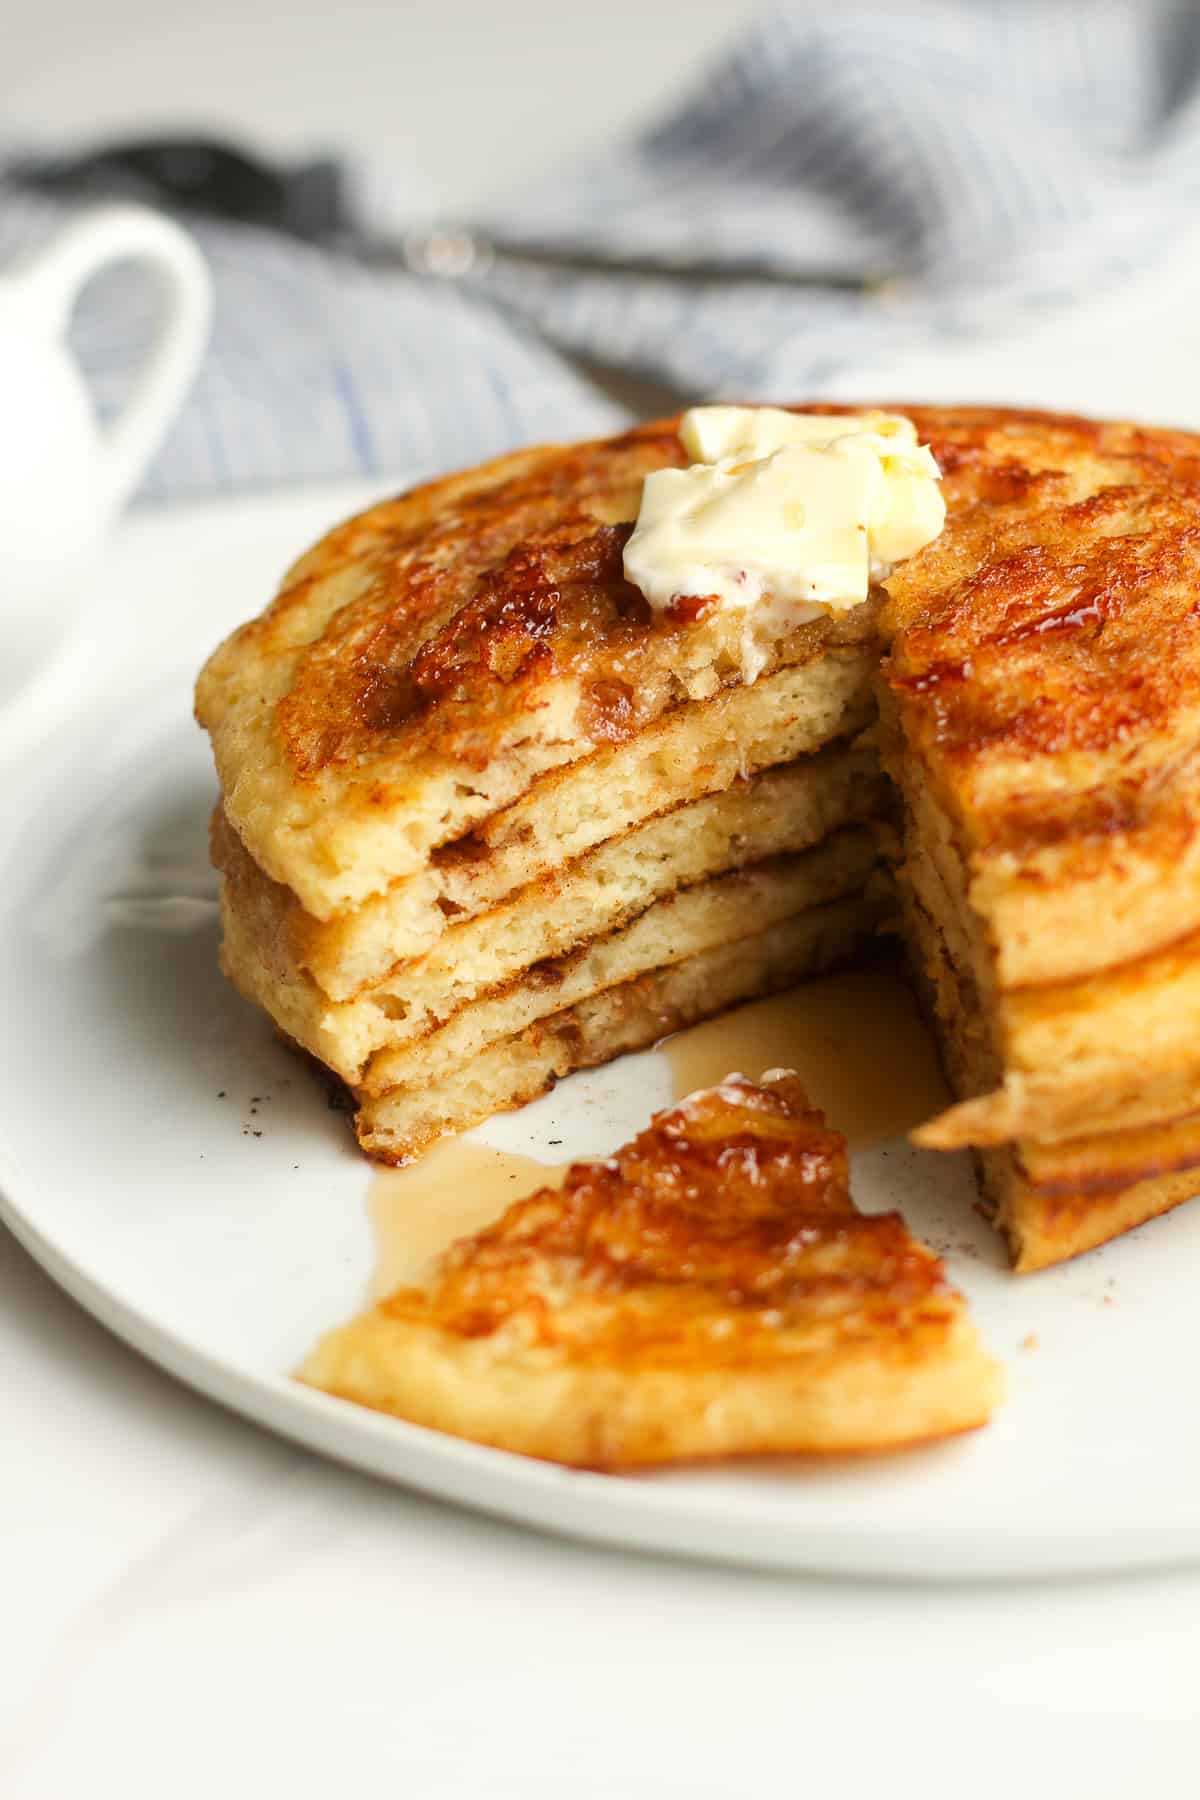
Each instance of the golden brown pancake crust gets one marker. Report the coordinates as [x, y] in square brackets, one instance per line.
[709, 1290]
[1084, 538]
[477, 601]
[1042, 653]
[1045, 664]
[425, 661]
[735, 1202]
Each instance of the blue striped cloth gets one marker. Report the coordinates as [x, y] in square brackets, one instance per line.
[985, 158]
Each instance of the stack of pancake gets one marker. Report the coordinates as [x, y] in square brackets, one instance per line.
[485, 819]
[1041, 719]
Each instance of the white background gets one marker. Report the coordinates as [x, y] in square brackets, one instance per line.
[457, 98]
[191, 1608]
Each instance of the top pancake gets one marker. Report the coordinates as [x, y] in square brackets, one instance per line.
[427, 660]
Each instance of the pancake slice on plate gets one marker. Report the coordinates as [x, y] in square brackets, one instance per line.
[710, 1290]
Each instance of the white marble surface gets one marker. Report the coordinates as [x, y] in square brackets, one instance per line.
[191, 1608]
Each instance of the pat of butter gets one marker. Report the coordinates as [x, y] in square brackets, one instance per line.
[792, 513]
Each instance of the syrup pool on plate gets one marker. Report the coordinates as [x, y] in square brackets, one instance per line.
[856, 1039]
[457, 1188]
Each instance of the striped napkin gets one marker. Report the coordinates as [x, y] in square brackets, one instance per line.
[971, 163]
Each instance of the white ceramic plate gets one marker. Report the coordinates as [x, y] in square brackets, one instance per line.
[222, 1254]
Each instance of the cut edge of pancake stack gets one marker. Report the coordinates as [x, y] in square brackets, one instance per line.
[726, 853]
[486, 817]
[1079, 1093]
[1039, 716]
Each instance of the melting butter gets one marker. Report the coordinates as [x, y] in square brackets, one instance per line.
[784, 516]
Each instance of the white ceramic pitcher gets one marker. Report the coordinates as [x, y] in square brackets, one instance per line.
[64, 478]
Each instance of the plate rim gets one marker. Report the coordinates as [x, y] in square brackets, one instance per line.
[607, 1510]
[622, 1511]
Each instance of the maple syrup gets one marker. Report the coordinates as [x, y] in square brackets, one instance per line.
[856, 1039]
[457, 1188]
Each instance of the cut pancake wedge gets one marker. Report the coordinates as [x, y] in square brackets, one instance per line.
[709, 1290]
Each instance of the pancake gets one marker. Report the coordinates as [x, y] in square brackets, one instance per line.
[1043, 686]
[426, 661]
[709, 1290]
[695, 750]
[1045, 1226]
[393, 1032]
[1052, 1200]
[1060, 1063]
[397, 1125]
[461, 763]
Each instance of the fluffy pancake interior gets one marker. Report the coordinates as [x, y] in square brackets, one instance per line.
[781, 810]
[396, 1125]
[695, 751]
[371, 1040]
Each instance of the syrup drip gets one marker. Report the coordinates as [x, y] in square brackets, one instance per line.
[456, 1189]
[856, 1039]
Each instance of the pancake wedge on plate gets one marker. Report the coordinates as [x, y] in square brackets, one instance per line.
[489, 815]
[710, 1290]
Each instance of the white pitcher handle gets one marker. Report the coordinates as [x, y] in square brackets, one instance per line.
[47, 286]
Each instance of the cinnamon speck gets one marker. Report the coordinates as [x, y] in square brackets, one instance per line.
[1029, 1341]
